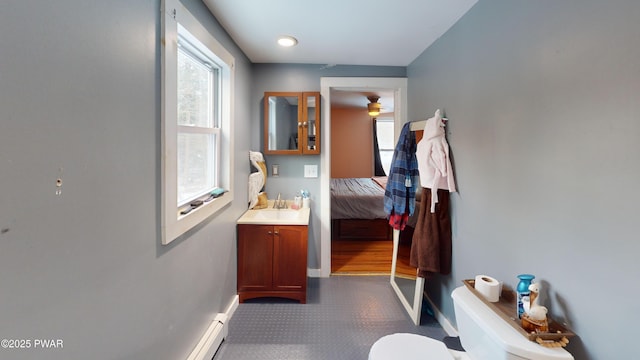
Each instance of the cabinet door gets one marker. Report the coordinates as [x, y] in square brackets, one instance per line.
[255, 257]
[311, 123]
[283, 114]
[290, 257]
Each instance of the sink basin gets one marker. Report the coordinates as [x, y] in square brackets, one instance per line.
[271, 216]
[282, 214]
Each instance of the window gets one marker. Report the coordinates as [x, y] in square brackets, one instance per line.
[384, 129]
[198, 123]
[197, 85]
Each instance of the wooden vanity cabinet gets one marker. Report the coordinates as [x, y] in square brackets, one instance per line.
[272, 261]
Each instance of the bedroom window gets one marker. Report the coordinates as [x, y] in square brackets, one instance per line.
[384, 129]
[197, 86]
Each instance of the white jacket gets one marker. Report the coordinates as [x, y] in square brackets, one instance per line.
[434, 164]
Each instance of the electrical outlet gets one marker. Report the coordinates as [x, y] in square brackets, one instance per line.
[311, 171]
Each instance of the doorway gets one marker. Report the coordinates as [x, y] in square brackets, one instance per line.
[398, 88]
[361, 242]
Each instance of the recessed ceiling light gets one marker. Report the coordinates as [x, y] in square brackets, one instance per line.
[287, 41]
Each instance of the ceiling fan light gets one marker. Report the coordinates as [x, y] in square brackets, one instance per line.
[374, 109]
[374, 106]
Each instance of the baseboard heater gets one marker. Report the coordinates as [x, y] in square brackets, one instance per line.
[211, 340]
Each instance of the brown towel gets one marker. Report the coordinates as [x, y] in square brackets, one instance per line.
[431, 243]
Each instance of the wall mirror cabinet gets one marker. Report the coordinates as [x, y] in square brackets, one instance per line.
[291, 123]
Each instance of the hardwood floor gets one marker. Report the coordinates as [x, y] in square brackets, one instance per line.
[369, 257]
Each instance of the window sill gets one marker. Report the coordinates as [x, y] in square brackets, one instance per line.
[180, 224]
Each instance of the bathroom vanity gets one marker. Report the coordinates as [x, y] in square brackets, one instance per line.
[272, 254]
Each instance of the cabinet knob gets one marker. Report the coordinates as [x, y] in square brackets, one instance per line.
[276, 232]
[304, 123]
[299, 124]
[269, 232]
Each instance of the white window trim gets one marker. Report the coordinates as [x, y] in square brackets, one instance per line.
[173, 225]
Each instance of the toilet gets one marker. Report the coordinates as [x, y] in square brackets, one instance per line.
[483, 334]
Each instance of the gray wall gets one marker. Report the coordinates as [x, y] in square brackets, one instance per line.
[544, 131]
[80, 90]
[544, 128]
[299, 77]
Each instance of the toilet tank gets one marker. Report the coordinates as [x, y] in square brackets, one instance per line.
[486, 336]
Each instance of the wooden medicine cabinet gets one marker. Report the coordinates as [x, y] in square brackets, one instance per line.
[292, 123]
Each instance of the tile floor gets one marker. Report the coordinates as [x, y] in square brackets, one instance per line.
[343, 317]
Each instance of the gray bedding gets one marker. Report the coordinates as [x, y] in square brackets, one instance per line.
[357, 198]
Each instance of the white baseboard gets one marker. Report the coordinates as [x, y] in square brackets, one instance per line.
[314, 273]
[215, 333]
[442, 320]
[233, 305]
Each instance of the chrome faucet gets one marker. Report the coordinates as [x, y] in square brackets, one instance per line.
[280, 204]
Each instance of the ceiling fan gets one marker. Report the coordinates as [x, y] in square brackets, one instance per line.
[374, 106]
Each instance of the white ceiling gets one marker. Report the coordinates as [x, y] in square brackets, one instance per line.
[351, 98]
[339, 32]
[344, 32]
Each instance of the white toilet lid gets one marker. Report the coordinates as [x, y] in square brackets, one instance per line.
[408, 347]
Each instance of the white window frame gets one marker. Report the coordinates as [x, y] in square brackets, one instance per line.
[176, 20]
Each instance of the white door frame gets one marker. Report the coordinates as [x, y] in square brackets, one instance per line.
[399, 87]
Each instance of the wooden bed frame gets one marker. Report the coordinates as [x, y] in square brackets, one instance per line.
[364, 229]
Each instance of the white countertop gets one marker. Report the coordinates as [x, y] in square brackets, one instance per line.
[271, 216]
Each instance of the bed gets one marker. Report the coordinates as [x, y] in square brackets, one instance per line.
[357, 208]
